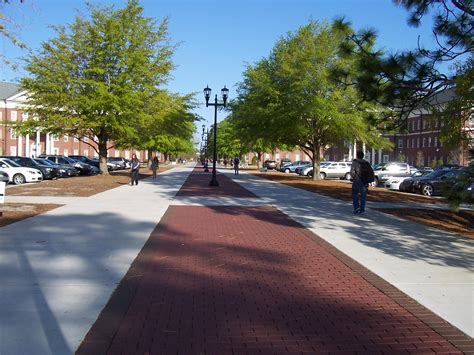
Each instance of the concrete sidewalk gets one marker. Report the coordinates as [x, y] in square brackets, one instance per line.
[58, 270]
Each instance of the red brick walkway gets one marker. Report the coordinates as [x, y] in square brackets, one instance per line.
[249, 280]
[197, 184]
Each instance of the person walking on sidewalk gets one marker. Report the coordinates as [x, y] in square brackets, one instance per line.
[134, 169]
[361, 174]
[155, 164]
[236, 165]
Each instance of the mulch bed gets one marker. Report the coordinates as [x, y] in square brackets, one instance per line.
[14, 212]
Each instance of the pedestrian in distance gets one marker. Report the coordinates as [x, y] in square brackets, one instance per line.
[236, 165]
[225, 163]
[361, 175]
[134, 169]
[155, 164]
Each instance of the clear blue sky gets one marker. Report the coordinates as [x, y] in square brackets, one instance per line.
[217, 38]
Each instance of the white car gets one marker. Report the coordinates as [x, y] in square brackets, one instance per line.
[18, 174]
[393, 182]
[341, 170]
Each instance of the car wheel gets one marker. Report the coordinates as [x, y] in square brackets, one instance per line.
[287, 171]
[322, 175]
[347, 176]
[427, 190]
[18, 179]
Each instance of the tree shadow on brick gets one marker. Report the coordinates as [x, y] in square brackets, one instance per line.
[234, 285]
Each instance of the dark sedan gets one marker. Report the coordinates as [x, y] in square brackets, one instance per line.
[431, 184]
[49, 172]
[65, 170]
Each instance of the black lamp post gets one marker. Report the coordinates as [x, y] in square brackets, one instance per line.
[204, 156]
[207, 95]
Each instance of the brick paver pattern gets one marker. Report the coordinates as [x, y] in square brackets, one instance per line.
[240, 280]
[197, 184]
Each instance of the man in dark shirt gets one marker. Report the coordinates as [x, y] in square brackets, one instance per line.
[358, 186]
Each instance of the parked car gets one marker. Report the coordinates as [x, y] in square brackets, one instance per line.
[340, 170]
[49, 172]
[394, 182]
[284, 162]
[83, 168]
[18, 174]
[307, 170]
[93, 162]
[270, 164]
[447, 167]
[384, 171]
[65, 170]
[292, 167]
[434, 183]
[4, 177]
[123, 163]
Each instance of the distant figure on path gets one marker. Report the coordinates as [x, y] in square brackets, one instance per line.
[236, 165]
[362, 174]
[155, 164]
[225, 163]
[135, 167]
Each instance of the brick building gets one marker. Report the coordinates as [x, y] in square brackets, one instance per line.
[11, 100]
[420, 144]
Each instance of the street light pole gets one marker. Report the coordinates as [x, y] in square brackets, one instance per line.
[207, 95]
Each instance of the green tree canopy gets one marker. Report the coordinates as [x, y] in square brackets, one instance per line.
[291, 97]
[408, 80]
[96, 78]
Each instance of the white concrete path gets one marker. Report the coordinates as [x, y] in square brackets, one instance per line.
[58, 269]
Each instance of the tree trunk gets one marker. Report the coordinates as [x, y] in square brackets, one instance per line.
[259, 159]
[150, 157]
[316, 162]
[103, 157]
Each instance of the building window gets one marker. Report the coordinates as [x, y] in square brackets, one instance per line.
[13, 151]
[24, 116]
[418, 142]
[419, 124]
[76, 151]
[413, 142]
[400, 143]
[66, 138]
[86, 152]
[385, 159]
[86, 139]
[424, 142]
[117, 153]
[75, 140]
[56, 138]
[435, 142]
[13, 134]
[429, 142]
[424, 124]
[65, 152]
[13, 115]
[56, 151]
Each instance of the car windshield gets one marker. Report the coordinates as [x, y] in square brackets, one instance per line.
[44, 161]
[379, 166]
[70, 160]
[11, 163]
[437, 173]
